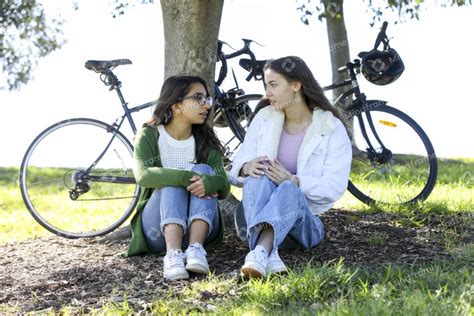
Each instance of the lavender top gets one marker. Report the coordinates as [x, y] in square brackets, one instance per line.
[288, 149]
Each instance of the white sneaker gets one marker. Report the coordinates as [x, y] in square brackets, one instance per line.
[196, 259]
[256, 262]
[173, 265]
[275, 264]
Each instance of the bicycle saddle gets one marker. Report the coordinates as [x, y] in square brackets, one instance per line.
[102, 65]
[255, 69]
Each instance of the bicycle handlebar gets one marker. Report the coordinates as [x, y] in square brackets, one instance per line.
[223, 57]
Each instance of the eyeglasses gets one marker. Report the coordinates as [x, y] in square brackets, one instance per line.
[200, 99]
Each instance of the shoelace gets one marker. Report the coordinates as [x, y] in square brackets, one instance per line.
[196, 248]
[176, 258]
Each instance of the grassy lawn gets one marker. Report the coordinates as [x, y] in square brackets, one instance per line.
[50, 196]
[437, 287]
[331, 288]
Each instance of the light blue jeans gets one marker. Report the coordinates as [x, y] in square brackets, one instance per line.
[175, 205]
[284, 207]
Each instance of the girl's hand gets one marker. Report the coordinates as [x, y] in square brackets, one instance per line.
[211, 196]
[277, 172]
[196, 187]
[256, 167]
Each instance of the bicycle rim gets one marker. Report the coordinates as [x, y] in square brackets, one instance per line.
[238, 117]
[53, 165]
[408, 176]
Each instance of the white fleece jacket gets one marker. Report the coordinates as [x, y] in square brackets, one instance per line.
[324, 158]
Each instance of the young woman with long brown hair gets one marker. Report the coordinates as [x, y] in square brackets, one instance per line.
[294, 164]
[179, 165]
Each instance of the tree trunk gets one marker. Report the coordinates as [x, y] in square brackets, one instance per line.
[338, 49]
[191, 31]
[338, 43]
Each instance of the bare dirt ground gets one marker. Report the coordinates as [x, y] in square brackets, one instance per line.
[48, 273]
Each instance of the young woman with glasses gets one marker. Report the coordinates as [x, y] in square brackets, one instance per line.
[179, 165]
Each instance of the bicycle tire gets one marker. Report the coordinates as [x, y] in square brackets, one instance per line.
[241, 113]
[54, 161]
[414, 171]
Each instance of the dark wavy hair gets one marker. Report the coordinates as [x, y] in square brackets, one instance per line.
[293, 68]
[173, 89]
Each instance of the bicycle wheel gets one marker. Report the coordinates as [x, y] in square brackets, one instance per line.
[62, 188]
[237, 117]
[403, 173]
[241, 113]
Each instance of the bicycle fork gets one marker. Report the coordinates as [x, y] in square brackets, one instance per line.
[385, 155]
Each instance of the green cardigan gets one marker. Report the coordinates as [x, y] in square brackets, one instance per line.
[150, 174]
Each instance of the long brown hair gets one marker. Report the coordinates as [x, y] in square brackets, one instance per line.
[173, 89]
[293, 68]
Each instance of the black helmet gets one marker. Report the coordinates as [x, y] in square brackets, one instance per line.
[381, 67]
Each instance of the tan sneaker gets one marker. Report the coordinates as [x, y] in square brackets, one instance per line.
[256, 262]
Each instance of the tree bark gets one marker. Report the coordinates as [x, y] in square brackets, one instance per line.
[191, 31]
[338, 42]
[339, 50]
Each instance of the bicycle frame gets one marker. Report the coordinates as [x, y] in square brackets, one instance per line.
[115, 84]
[358, 106]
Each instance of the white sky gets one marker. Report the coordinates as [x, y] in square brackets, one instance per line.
[434, 90]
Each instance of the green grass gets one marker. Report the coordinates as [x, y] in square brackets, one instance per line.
[16, 223]
[443, 288]
[52, 199]
[440, 287]
[452, 193]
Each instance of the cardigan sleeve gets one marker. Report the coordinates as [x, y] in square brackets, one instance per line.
[148, 170]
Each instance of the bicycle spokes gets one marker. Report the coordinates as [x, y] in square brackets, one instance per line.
[75, 188]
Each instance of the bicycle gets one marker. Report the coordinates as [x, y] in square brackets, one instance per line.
[397, 163]
[76, 176]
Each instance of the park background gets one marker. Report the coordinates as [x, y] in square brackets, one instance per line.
[406, 260]
[434, 89]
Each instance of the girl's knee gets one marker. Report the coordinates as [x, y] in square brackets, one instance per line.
[288, 188]
[287, 185]
[203, 169]
[171, 190]
[250, 181]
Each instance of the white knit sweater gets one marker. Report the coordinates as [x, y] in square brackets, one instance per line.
[177, 154]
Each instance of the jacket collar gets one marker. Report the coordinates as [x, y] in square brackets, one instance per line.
[323, 123]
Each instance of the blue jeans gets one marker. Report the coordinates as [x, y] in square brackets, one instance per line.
[175, 205]
[284, 207]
